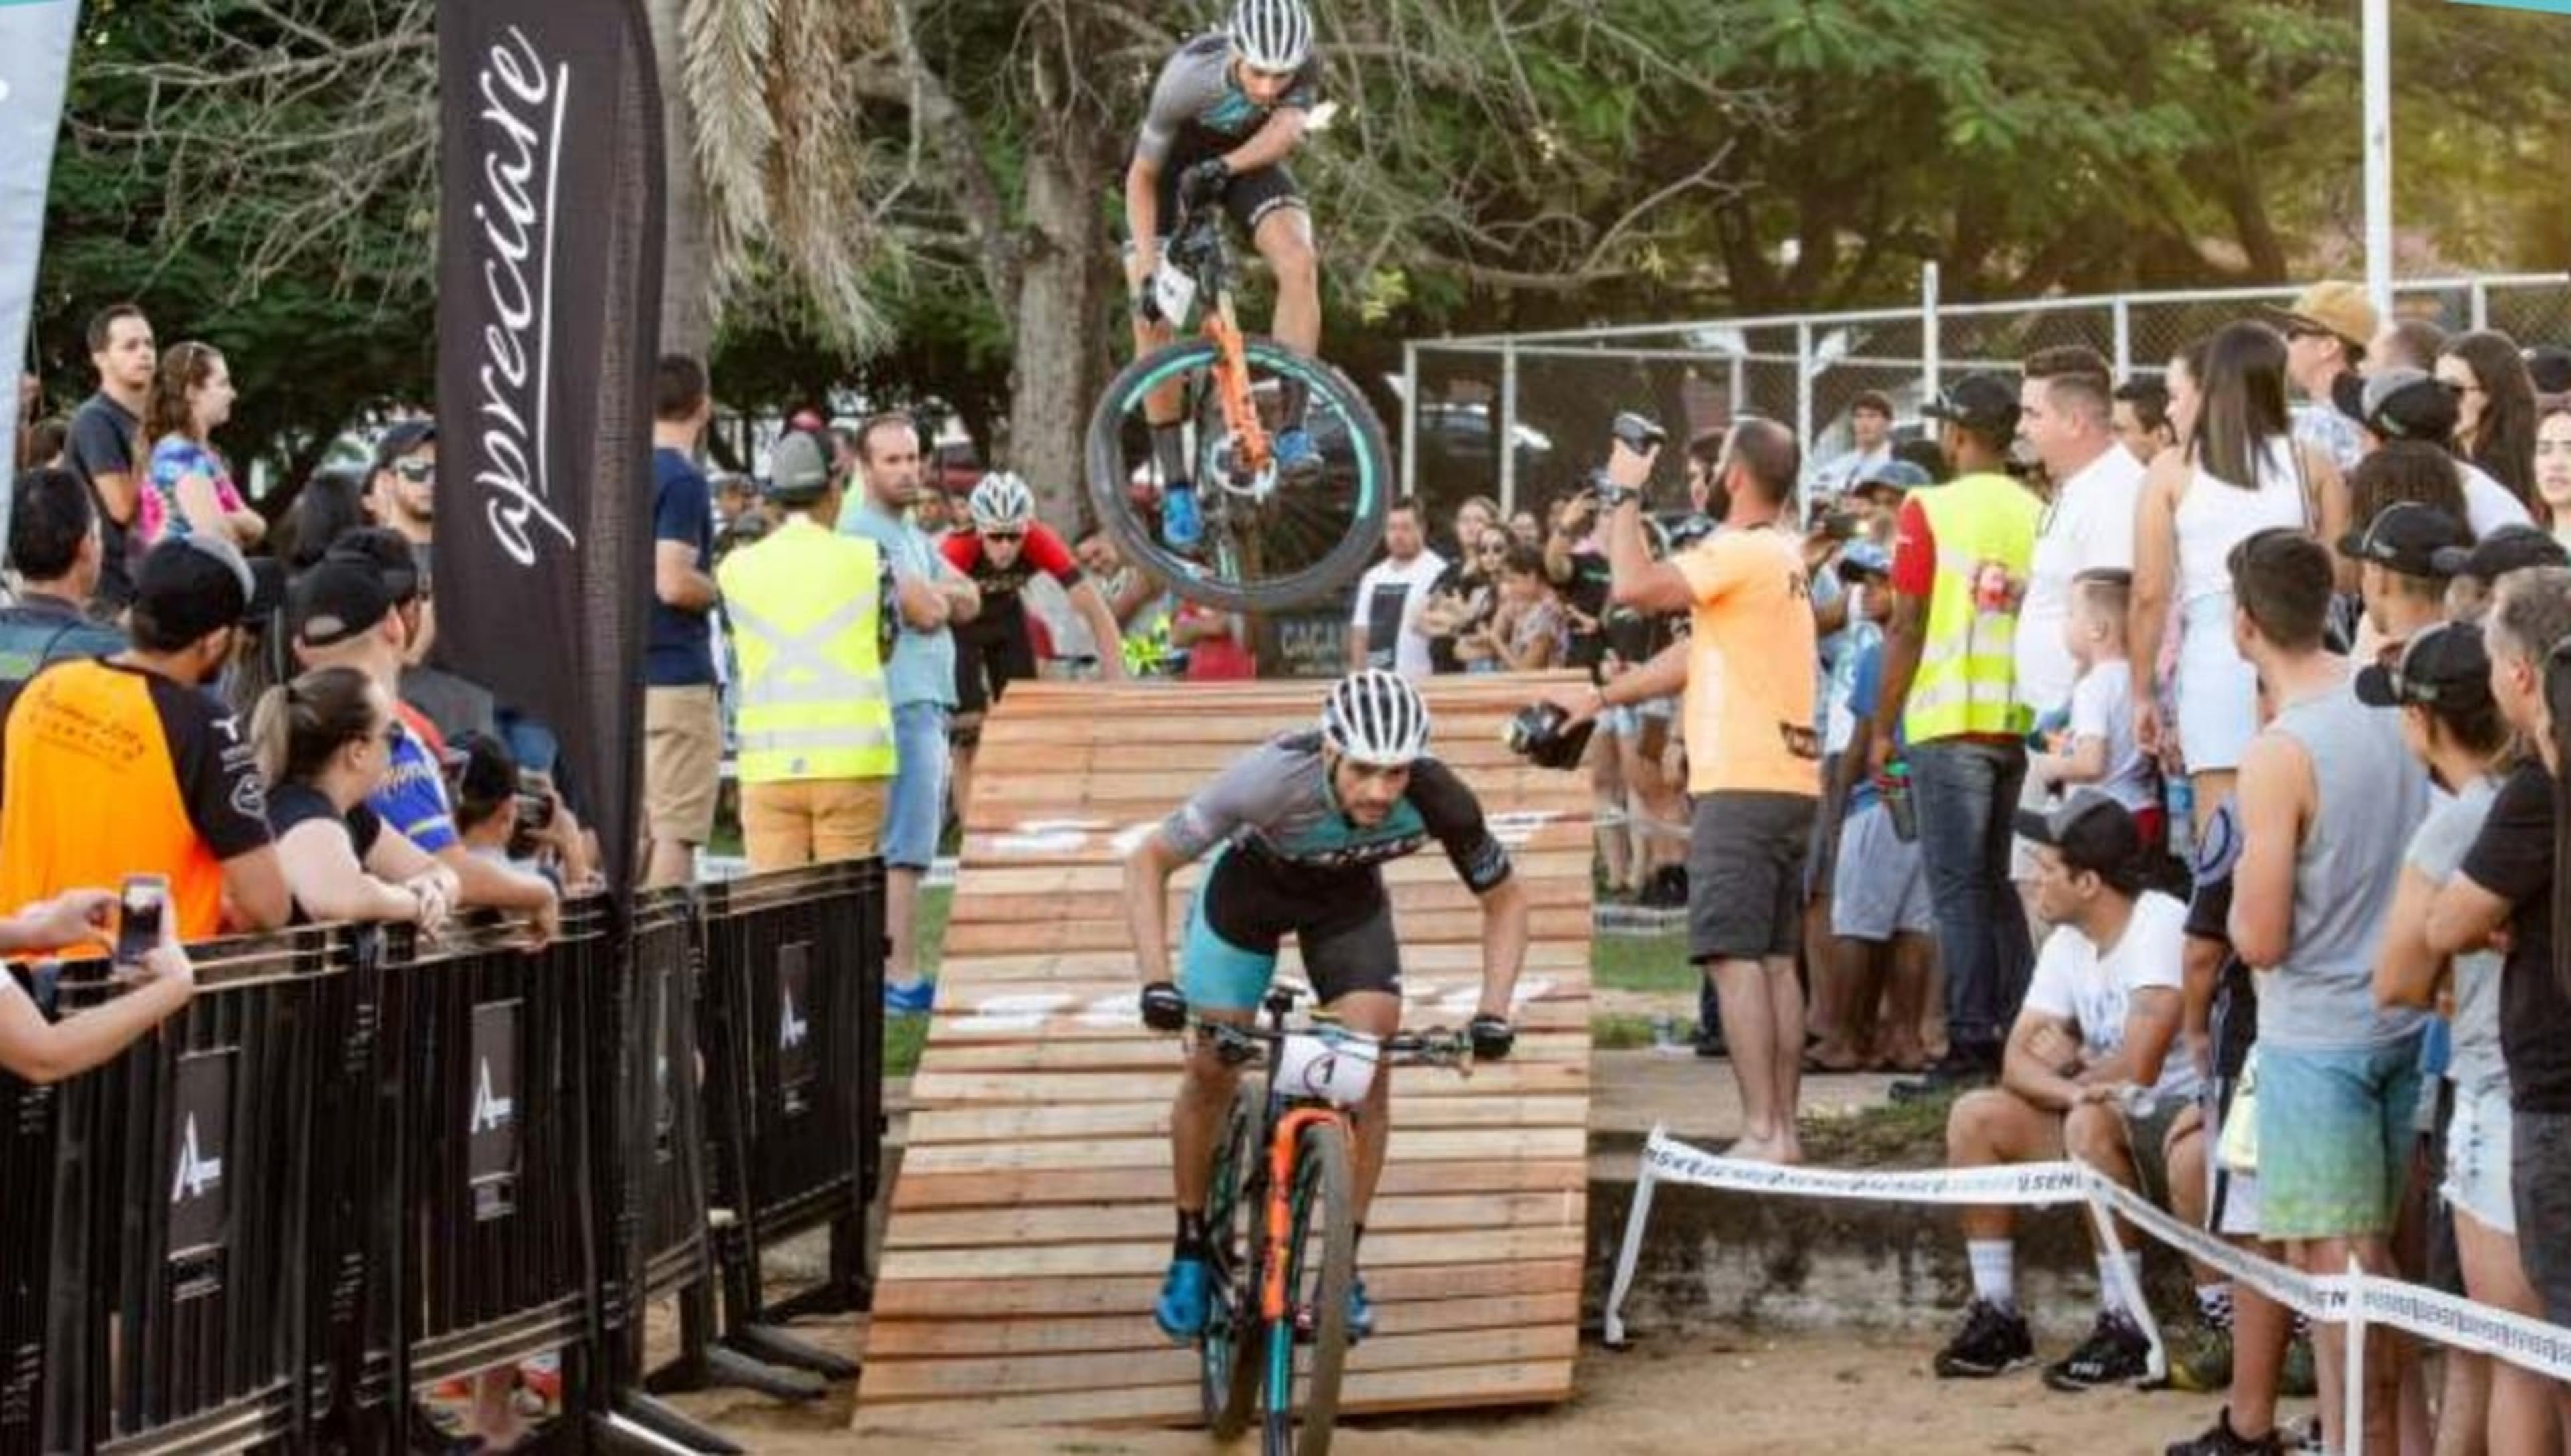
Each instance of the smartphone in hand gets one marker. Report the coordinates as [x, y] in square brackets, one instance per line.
[139, 907]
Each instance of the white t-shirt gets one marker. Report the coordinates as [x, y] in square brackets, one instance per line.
[2102, 707]
[2074, 982]
[2089, 527]
[1390, 597]
[2488, 505]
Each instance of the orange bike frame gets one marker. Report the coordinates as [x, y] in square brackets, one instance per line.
[1280, 1202]
[1232, 379]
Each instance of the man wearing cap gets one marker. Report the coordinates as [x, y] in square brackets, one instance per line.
[2088, 1071]
[344, 614]
[807, 610]
[2400, 403]
[2326, 328]
[125, 766]
[2473, 572]
[2329, 797]
[2398, 571]
[1959, 573]
[1876, 497]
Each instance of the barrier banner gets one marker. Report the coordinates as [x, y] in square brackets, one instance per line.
[548, 329]
[35, 65]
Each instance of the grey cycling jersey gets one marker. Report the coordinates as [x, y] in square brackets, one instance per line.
[1196, 102]
[1275, 803]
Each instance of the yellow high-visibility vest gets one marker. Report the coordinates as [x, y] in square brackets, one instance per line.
[805, 607]
[1985, 528]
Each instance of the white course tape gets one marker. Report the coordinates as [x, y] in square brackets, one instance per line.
[2355, 1299]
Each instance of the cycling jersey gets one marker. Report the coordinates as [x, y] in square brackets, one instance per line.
[1199, 110]
[997, 648]
[1042, 551]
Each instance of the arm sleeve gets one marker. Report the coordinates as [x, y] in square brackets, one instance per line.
[412, 802]
[2089, 708]
[1709, 569]
[2159, 958]
[1358, 617]
[1172, 102]
[681, 508]
[2048, 993]
[1453, 817]
[2514, 855]
[1869, 679]
[1046, 552]
[1914, 552]
[98, 447]
[1243, 795]
[218, 770]
[962, 549]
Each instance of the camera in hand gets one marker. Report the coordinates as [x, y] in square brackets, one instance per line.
[1640, 435]
[139, 909]
[535, 803]
[1537, 735]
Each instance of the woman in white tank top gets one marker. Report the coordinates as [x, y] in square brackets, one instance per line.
[2236, 471]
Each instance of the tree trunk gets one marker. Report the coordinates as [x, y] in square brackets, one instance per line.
[687, 276]
[1057, 315]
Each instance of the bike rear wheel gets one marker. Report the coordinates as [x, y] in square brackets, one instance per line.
[1227, 1364]
[1266, 544]
[1321, 1255]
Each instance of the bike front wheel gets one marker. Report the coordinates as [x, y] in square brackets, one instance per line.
[1322, 1257]
[1271, 540]
[1227, 1354]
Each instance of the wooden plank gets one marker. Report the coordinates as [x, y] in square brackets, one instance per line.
[918, 1189]
[977, 938]
[1093, 839]
[1414, 897]
[913, 1339]
[1435, 1387]
[1152, 1256]
[1126, 1295]
[1544, 957]
[1148, 1221]
[1109, 880]
[996, 1064]
[1152, 1119]
[1002, 1089]
[1092, 1371]
[1153, 1153]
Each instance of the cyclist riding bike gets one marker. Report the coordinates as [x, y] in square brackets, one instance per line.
[1227, 110]
[1299, 829]
[1005, 549]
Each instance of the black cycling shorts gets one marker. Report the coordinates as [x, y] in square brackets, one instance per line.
[1250, 196]
[1246, 908]
[989, 659]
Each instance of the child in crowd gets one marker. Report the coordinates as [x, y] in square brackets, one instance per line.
[1526, 634]
[2098, 746]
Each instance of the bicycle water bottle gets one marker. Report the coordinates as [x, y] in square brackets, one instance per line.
[1894, 787]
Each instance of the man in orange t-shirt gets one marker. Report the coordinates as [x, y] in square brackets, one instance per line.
[1754, 762]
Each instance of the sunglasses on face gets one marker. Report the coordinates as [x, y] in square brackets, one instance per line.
[417, 471]
[1004, 535]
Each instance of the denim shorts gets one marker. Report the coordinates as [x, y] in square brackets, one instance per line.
[1880, 889]
[2334, 1138]
[916, 813]
[2477, 1158]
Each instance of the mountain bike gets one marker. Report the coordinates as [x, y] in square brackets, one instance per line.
[1280, 1221]
[1268, 542]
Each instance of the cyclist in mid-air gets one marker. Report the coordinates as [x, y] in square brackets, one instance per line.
[1227, 110]
[1299, 829]
[1004, 549]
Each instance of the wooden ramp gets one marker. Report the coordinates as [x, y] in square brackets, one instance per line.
[1031, 1218]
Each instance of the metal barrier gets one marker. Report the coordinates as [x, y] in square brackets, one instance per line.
[794, 1006]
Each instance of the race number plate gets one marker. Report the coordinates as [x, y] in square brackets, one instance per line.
[1175, 292]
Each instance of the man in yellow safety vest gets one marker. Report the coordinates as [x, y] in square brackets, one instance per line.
[1960, 561]
[807, 610]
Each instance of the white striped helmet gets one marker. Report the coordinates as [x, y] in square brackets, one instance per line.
[1375, 717]
[1272, 35]
[1001, 499]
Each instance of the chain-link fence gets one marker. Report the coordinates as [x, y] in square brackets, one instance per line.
[1554, 394]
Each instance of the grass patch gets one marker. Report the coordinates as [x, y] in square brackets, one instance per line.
[1642, 963]
[1891, 1134]
[1618, 1032]
[905, 1035]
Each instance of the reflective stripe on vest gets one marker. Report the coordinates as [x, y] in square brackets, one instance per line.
[805, 608]
[1985, 528]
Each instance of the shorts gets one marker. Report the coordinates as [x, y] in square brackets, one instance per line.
[1745, 869]
[1250, 196]
[1623, 720]
[2479, 1139]
[2540, 1188]
[811, 820]
[682, 762]
[2147, 1140]
[2334, 1138]
[916, 813]
[1880, 889]
[1244, 911]
[989, 658]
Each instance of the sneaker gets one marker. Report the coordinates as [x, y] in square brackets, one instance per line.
[1187, 1292]
[1298, 463]
[1993, 1341]
[2200, 1358]
[1181, 527]
[2115, 1353]
[2221, 1440]
[1963, 1069]
[2299, 1377]
[914, 999]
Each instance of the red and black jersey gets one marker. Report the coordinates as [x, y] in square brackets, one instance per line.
[1043, 551]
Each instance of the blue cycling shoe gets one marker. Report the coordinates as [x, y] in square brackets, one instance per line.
[915, 999]
[1181, 527]
[1298, 461]
[1360, 1310]
[1187, 1292]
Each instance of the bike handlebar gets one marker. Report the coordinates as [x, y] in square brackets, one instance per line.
[1435, 1047]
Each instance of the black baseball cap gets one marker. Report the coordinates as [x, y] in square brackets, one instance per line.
[2402, 404]
[2444, 666]
[1985, 402]
[400, 440]
[2093, 833]
[194, 584]
[388, 551]
[342, 598]
[2513, 547]
[2408, 538]
[2549, 366]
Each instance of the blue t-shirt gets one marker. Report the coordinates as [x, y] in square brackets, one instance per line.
[412, 798]
[681, 652]
[922, 669]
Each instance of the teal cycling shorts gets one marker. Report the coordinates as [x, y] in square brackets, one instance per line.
[1243, 912]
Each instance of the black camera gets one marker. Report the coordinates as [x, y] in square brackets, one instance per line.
[535, 803]
[1537, 735]
[1640, 435]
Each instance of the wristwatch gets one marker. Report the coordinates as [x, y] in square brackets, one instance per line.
[1611, 495]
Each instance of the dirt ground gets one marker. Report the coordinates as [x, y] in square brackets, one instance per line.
[1712, 1393]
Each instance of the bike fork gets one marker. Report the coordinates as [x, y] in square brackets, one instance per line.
[1251, 444]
